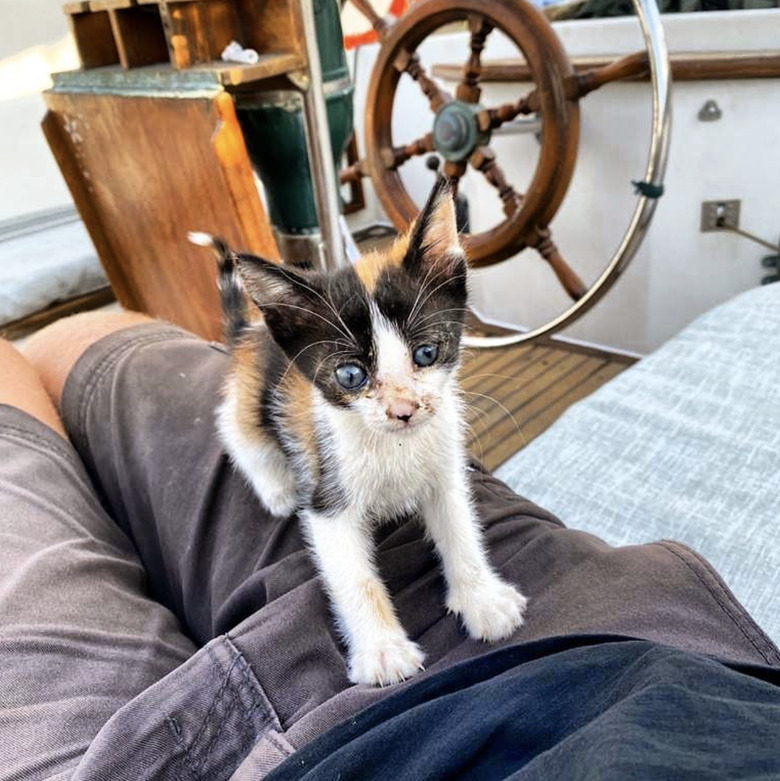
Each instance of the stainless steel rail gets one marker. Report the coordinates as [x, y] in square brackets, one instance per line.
[319, 147]
[655, 43]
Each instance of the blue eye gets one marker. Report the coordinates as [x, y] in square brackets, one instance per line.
[425, 354]
[350, 376]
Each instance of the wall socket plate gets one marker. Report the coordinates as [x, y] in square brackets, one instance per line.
[726, 211]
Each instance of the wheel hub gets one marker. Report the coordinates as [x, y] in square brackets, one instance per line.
[456, 133]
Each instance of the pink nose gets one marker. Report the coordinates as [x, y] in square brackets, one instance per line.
[401, 409]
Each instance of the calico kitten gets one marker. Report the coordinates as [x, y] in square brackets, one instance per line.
[350, 414]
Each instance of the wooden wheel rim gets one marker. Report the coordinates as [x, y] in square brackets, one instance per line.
[533, 35]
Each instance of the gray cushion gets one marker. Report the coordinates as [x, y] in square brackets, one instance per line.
[685, 445]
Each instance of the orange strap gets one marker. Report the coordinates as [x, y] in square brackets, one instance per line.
[397, 9]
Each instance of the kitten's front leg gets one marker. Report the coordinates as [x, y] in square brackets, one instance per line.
[379, 651]
[259, 458]
[490, 608]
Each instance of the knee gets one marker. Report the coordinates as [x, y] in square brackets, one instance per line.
[54, 350]
[21, 387]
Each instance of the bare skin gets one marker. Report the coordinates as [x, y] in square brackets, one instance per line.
[54, 350]
[21, 387]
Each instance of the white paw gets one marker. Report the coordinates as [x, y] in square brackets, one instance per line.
[279, 496]
[490, 610]
[280, 503]
[390, 662]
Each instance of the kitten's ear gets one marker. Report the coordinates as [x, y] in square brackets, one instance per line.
[289, 299]
[269, 283]
[433, 240]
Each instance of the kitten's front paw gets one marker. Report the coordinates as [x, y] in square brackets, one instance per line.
[490, 610]
[279, 495]
[282, 503]
[385, 663]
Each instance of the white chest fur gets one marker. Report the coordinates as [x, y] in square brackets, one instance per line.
[386, 474]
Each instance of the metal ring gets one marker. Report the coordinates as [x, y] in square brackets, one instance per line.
[655, 43]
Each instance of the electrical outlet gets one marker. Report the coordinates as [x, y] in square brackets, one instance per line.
[716, 215]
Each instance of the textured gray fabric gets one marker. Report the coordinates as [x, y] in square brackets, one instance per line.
[684, 445]
[98, 683]
[78, 636]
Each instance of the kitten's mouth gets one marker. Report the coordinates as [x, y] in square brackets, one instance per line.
[405, 427]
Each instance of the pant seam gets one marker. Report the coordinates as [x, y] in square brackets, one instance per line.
[229, 698]
[738, 615]
[25, 436]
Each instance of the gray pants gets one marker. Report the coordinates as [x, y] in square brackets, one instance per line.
[156, 623]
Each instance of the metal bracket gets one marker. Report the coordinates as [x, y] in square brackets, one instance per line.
[710, 112]
[717, 215]
[771, 262]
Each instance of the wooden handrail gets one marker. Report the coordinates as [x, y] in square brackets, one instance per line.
[692, 66]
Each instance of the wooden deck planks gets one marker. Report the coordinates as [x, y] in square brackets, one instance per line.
[514, 395]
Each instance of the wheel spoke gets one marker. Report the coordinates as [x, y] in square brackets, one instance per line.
[452, 171]
[581, 84]
[491, 118]
[483, 158]
[377, 22]
[469, 89]
[353, 173]
[398, 155]
[409, 62]
[567, 276]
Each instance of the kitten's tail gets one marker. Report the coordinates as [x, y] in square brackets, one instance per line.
[235, 320]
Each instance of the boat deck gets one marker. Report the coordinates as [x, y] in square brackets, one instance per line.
[514, 394]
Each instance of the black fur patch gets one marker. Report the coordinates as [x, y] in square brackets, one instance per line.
[231, 294]
[432, 314]
[320, 321]
[275, 366]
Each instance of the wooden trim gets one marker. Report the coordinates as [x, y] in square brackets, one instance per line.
[94, 38]
[109, 5]
[230, 150]
[270, 64]
[17, 329]
[67, 158]
[139, 36]
[561, 343]
[685, 67]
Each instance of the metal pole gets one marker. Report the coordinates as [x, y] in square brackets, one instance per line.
[319, 147]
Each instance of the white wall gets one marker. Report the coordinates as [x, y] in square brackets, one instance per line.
[35, 41]
[679, 272]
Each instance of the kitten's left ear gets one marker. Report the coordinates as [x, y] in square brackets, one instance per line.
[434, 237]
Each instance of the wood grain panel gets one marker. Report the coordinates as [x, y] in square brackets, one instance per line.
[198, 31]
[144, 171]
[94, 37]
[139, 36]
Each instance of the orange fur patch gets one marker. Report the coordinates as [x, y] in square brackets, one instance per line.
[441, 234]
[298, 412]
[380, 603]
[370, 266]
[248, 373]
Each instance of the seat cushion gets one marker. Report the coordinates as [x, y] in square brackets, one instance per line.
[684, 445]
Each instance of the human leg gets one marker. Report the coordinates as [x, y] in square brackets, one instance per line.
[139, 405]
[54, 350]
[20, 387]
[78, 636]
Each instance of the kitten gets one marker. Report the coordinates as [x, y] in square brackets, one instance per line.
[350, 414]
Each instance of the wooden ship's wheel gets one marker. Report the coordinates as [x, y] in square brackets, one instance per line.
[462, 126]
